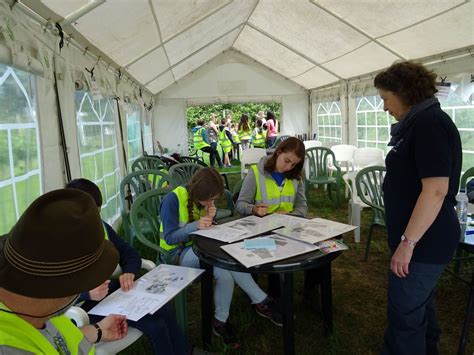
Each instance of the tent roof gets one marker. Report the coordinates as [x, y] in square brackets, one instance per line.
[311, 42]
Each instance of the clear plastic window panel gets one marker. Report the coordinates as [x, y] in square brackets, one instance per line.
[328, 115]
[20, 159]
[147, 133]
[373, 123]
[96, 127]
[134, 137]
[460, 107]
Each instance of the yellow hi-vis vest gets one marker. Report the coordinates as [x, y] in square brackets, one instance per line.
[259, 138]
[269, 193]
[106, 235]
[182, 193]
[198, 141]
[19, 334]
[244, 135]
[224, 141]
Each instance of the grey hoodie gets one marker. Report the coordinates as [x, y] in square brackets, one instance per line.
[246, 199]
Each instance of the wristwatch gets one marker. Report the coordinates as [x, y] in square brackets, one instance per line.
[408, 241]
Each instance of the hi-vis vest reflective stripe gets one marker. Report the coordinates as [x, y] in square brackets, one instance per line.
[267, 192]
[225, 141]
[199, 142]
[259, 139]
[182, 193]
[106, 235]
[244, 135]
[19, 334]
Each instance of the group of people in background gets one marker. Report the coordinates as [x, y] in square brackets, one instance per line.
[230, 137]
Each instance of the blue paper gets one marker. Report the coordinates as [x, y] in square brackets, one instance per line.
[260, 243]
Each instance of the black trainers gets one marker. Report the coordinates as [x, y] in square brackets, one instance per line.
[268, 309]
[225, 331]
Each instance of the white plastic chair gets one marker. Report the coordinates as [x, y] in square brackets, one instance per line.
[81, 318]
[312, 144]
[363, 157]
[344, 154]
[250, 156]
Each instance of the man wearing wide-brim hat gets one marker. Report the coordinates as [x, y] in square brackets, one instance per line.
[55, 251]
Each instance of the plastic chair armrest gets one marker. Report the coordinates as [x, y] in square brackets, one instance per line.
[78, 315]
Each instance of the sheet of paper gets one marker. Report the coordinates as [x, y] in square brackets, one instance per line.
[315, 230]
[222, 232]
[285, 248]
[149, 293]
[330, 246]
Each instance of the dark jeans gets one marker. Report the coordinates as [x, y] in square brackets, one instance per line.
[213, 154]
[412, 324]
[270, 141]
[161, 328]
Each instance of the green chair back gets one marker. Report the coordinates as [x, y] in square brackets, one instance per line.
[148, 162]
[185, 159]
[369, 183]
[133, 185]
[469, 173]
[181, 174]
[278, 141]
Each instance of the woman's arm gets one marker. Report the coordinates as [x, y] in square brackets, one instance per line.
[246, 200]
[300, 207]
[427, 207]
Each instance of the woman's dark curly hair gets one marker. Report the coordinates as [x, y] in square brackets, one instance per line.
[292, 144]
[410, 81]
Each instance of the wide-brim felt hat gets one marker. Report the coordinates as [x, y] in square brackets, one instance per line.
[57, 248]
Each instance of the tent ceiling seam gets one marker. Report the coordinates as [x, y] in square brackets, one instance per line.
[346, 53]
[193, 53]
[160, 37]
[357, 29]
[426, 19]
[292, 50]
[80, 12]
[162, 44]
[246, 23]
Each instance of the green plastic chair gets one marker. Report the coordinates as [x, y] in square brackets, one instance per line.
[135, 184]
[278, 141]
[318, 172]
[181, 174]
[145, 219]
[469, 173]
[368, 183]
[185, 159]
[148, 162]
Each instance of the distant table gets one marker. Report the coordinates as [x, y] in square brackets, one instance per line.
[210, 254]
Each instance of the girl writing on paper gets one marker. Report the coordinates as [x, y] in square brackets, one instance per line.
[189, 208]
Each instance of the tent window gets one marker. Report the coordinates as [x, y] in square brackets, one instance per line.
[20, 160]
[461, 111]
[328, 115]
[147, 133]
[373, 124]
[96, 127]
[134, 137]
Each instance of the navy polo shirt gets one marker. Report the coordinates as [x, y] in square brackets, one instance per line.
[431, 147]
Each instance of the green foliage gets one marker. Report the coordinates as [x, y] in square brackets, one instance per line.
[193, 113]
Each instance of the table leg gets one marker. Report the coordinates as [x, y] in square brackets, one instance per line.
[286, 282]
[226, 181]
[467, 320]
[326, 296]
[206, 302]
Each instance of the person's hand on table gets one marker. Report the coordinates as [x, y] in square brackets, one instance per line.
[113, 327]
[260, 210]
[126, 281]
[401, 259]
[204, 222]
[282, 212]
[100, 291]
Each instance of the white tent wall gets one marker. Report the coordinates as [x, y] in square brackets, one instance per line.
[170, 124]
[231, 77]
[26, 44]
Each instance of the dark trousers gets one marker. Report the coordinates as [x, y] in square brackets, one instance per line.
[412, 324]
[213, 154]
[270, 141]
[161, 329]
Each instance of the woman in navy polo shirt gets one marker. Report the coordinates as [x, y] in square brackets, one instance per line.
[420, 186]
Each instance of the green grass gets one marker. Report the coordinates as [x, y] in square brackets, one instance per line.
[359, 302]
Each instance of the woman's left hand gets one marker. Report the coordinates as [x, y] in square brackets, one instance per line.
[401, 259]
[211, 211]
[126, 281]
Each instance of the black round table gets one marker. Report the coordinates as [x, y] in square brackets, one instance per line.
[210, 254]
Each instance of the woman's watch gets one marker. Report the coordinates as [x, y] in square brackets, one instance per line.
[408, 241]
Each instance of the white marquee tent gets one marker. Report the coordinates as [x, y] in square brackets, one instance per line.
[171, 54]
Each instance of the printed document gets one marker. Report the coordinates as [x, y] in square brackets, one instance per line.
[149, 293]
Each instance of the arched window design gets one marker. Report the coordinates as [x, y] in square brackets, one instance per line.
[96, 129]
[134, 137]
[373, 123]
[20, 156]
[328, 115]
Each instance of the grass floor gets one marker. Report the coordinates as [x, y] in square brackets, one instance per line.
[359, 302]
